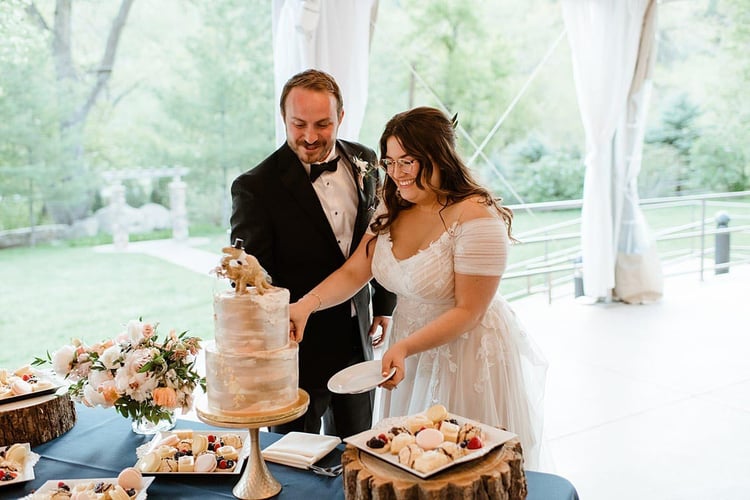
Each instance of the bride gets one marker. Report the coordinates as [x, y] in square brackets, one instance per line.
[440, 243]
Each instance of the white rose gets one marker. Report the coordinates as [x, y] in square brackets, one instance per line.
[94, 397]
[97, 378]
[135, 331]
[62, 360]
[136, 385]
[110, 357]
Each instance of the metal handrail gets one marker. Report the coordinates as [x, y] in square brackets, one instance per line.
[548, 264]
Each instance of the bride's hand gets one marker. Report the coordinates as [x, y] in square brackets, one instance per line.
[297, 320]
[299, 312]
[394, 358]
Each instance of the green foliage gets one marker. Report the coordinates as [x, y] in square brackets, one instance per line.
[678, 125]
[716, 165]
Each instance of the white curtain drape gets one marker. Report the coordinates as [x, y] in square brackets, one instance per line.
[606, 43]
[329, 35]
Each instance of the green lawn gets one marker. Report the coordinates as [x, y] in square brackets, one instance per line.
[52, 294]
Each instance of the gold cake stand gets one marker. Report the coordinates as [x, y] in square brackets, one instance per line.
[256, 482]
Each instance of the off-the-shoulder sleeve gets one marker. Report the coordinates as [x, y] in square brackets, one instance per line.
[378, 211]
[481, 247]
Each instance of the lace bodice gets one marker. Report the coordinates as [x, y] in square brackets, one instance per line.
[479, 374]
[476, 247]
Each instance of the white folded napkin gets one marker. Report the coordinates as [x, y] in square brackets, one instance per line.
[300, 449]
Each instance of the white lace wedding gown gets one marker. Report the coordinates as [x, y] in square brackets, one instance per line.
[494, 373]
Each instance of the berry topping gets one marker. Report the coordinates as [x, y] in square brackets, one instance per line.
[474, 443]
[130, 492]
[222, 464]
[383, 437]
[230, 464]
[26, 377]
[211, 438]
[376, 443]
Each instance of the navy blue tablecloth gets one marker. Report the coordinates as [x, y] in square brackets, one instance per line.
[102, 443]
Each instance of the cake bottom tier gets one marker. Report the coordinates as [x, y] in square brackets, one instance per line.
[252, 382]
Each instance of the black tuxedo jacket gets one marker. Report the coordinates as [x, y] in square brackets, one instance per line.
[276, 212]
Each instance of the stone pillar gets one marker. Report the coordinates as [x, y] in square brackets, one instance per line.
[119, 224]
[178, 209]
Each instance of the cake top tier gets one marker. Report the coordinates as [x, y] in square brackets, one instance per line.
[243, 270]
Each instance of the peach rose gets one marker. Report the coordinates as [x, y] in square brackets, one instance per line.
[165, 396]
[148, 330]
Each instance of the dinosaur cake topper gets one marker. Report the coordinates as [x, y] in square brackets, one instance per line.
[242, 269]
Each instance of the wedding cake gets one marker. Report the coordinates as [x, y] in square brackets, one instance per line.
[252, 367]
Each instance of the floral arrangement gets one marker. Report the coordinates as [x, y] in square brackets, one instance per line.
[143, 378]
[363, 168]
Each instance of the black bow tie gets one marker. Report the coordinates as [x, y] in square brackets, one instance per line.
[318, 168]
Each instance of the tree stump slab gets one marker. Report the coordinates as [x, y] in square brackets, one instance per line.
[36, 420]
[498, 475]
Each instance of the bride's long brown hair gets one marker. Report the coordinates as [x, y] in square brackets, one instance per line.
[429, 136]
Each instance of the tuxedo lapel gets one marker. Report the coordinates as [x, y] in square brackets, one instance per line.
[295, 180]
[366, 187]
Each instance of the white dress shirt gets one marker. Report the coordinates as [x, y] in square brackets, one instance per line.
[337, 192]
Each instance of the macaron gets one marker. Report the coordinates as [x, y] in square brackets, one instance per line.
[149, 462]
[20, 386]
[429, 439]
[437, 413]
[417, 422]
[17, 453]
[130, 478]
[205, 463]
[170, 440]
[200, 444]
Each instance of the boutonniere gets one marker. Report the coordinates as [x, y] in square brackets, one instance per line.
[363, 168]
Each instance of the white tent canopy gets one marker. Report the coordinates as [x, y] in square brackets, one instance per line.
[612, 50]
[329, 35]
[608, 42]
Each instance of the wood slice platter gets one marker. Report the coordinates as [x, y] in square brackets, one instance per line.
[497, 475]
[36, 420]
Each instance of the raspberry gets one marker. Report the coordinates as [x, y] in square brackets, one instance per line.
[211, 438]
[474, 443]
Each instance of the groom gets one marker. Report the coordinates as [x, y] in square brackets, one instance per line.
[301, 212]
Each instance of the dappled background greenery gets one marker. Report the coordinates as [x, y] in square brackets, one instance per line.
[192, 85]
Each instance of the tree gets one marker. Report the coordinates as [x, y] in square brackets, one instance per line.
[78, 89]
[222, 113]
[677, 130]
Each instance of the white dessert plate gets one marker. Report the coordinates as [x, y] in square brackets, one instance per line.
[51, 486]
[27, 472]
[42, 377]
[159, 436]
[493, 437]
[358, 378]
[19, 397]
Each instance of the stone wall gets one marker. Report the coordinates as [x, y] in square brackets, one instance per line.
[25, 236]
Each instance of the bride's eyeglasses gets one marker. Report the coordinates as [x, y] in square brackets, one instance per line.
[406, 166]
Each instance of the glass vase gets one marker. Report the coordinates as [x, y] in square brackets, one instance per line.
[147, 427]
